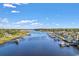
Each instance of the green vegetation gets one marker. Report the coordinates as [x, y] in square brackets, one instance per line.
[59, 29]
[9, 34]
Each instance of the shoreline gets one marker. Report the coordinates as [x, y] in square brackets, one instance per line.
[64, 43]
[13, 39]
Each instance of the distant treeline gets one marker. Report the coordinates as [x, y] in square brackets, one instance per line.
[60, 29]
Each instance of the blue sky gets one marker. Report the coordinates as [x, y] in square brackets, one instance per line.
[39, 15]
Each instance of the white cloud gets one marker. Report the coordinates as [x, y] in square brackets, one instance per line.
[29, 24]
[36, 24]
[25, 21]
[17, 3]
[57, 24]
[15, 11]
[13, 5]
[5, 23]
[20, 3]
[4, 20]
[10, 5]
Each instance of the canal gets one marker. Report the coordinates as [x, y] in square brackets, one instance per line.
[37, 44]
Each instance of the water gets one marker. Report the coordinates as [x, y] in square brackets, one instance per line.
[37, 44]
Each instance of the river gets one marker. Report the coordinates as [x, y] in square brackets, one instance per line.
[37, 44]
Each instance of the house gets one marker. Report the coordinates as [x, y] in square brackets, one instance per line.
[7, 34]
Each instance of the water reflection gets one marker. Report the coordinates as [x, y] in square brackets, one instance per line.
[37, 44]
[36, 38]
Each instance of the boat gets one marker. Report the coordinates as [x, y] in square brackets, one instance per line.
[62, 44]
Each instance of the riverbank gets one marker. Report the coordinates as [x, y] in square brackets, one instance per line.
[69, 36]
[12, 35]
[64, 41]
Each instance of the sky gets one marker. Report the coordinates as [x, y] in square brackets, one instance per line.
[39, 15]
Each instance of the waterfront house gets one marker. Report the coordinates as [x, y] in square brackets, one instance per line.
[7, 34]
